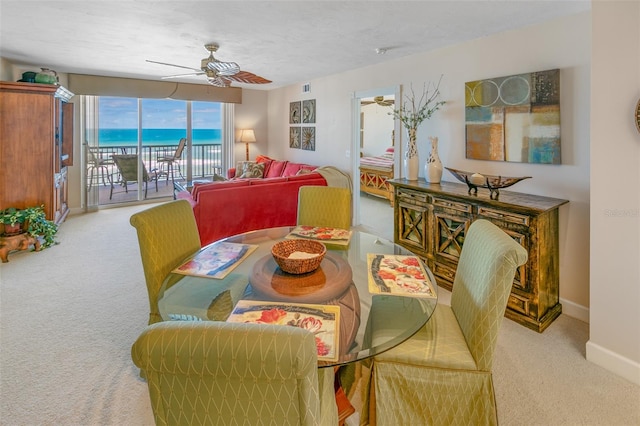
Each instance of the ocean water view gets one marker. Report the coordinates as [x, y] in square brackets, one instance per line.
[123, 137]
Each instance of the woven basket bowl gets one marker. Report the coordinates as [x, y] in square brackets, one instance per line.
[283, 249]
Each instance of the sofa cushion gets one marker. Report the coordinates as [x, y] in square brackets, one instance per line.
[252, 170]
[276, 168]
[204, 187]
[268, 181]
[292, 168]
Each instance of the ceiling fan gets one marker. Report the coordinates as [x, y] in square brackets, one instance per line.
[218, 73]
[379, 100]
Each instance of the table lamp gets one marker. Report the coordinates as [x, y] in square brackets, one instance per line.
[247, 136]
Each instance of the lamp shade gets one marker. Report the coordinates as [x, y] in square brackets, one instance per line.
[247, 136]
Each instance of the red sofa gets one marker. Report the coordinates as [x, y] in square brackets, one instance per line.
[235, 206]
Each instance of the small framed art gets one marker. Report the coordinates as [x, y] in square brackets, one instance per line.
[294, 112]
[308, 138]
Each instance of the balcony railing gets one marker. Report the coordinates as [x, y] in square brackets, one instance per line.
[206, 158]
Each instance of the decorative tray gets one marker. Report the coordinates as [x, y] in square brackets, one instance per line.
[327, 282]
[493, 183]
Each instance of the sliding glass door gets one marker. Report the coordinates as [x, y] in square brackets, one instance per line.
[149, 130]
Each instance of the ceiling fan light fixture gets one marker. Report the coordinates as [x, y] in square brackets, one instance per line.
[218, 73]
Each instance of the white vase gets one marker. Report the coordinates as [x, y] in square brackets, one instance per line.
[411, 160]
[433, 166]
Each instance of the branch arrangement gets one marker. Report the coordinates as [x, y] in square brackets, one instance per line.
[412, 113]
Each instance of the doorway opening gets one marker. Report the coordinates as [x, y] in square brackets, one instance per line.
[376, 134]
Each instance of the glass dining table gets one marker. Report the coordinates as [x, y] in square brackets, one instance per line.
[369, 324]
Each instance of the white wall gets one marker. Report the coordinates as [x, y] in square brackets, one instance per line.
[250, 114]
[614, 340]
[563, 44]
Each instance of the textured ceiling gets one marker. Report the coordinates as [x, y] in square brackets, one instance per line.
[286, 42]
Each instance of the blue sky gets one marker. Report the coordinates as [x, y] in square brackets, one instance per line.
[122, 113]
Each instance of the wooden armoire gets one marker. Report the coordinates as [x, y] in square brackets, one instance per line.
[36, 147]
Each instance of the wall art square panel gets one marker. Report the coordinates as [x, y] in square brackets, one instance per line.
[309, 111]
[514, 118]
[294, 112]
[309, 138]
[294, 137]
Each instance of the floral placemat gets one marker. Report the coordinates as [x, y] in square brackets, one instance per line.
[398, 275]
[325, 234]
[322, 320]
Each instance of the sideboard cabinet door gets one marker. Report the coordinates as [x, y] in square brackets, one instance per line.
[432, 220]
[411, 220]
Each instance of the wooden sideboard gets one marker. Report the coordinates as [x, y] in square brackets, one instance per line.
[432, 220]
[36, 147]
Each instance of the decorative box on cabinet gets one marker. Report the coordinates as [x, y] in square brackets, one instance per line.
[36, 147]
[432, 221]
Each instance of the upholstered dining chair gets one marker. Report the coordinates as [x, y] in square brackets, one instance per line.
[219, 373]
[167, 234]
[127, 170]
[442, 375]
[324, 206]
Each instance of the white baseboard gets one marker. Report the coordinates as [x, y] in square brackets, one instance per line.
[575, 311]
[613, 362]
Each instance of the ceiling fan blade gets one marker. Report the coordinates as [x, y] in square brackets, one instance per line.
[174, 65]
[247, 77]
[224, 68]
[183, 75]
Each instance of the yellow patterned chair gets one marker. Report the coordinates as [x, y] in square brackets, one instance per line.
[167, 234]
[442, 375]
[217, 373]
[324, 206]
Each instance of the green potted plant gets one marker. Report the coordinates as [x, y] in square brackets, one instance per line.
[39, 226]
[13, 220]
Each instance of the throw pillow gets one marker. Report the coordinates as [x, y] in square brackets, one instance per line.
[240, 167]
[252, 170]
[267, 163]
[275, 169]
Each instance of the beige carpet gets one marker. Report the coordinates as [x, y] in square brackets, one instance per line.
[69, 314]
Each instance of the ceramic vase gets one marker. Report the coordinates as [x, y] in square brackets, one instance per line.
[411, 161]
[433, 166]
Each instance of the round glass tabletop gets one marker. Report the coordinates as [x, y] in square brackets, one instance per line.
[367, 324]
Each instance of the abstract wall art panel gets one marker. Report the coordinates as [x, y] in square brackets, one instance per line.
[514, 118]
